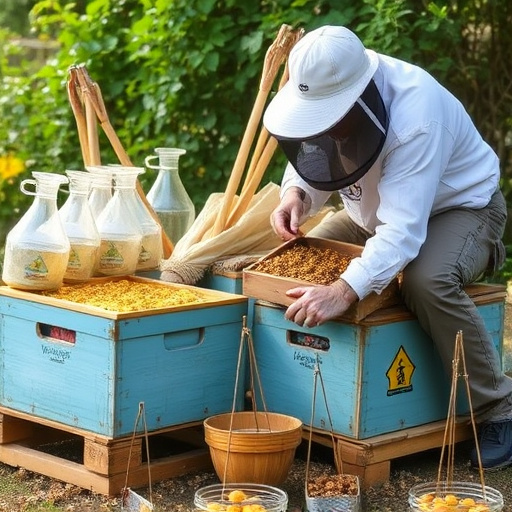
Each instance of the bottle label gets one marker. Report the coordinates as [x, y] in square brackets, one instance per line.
[82, 259]
[32, 269]
[74, 262]
[111, 257]
[144, 255]
[36, 269]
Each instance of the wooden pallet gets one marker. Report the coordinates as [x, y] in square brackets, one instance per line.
[370, 459]
[95, 462]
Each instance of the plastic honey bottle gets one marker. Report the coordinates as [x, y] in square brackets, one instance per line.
[37, 248]
[101, 188]
[80, 228]
[120, 231]
[168, 196]
[151, 251]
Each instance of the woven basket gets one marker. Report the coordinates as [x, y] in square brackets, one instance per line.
[259, 448]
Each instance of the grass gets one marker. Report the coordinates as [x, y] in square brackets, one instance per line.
[16, 491]
[25, 491]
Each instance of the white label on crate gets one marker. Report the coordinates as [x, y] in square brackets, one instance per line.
[399, 373]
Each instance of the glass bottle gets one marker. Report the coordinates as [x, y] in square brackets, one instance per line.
[151, 252]
[80, 228]
[101, 188]
[37, 248]
[168, 197]
[119, 229]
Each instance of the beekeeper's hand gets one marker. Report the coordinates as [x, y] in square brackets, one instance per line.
[286, 218]
[316, 305]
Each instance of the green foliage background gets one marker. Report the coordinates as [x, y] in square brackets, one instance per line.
[185, 73]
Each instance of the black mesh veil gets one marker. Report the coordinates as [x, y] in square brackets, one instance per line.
[343, 154]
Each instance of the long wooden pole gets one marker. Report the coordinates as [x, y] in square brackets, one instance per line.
[93, 91]
[263, 139]
[252, 184]
[92, 132]
[261, 158]
[273, 60]
[75, 99]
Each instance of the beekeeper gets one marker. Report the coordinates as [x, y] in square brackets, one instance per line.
[420, 190]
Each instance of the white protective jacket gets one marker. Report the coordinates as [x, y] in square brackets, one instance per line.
[433, 159]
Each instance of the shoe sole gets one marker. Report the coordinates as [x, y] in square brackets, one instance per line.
[499, 467]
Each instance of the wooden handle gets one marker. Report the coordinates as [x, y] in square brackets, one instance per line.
[125, 160]
[239, 166]
[256, 155]
[251, 186]
[78, 111]
[262, 154]
[93, 92]
[274, 57]
[92, 133]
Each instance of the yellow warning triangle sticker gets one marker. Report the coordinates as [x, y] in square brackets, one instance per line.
[399, 373]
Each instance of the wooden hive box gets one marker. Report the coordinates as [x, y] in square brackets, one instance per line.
[272, 288]
[225, 281]
[229, 281]
[381, 375]
[180, 361]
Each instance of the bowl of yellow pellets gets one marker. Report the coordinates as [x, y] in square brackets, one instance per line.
[249, 497]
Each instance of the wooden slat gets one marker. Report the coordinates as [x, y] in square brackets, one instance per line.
[53, 467]
[105, 469]
[211, 298]
[172, 466]
[14, 429]
[97, 438]
[114, 459]
[370, 459]
[76, 474]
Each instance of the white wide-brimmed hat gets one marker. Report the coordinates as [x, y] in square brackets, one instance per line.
[329, 68]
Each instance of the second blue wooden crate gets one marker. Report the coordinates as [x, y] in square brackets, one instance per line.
[381, 375]
[182, 364]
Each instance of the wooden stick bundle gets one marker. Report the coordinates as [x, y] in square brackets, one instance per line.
[262, 155]
[458, 365]
[274, 58]
[75, 99]
[95, 111]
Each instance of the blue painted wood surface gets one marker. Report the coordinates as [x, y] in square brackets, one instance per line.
[231, 283]
[360, 396]
[181, 365]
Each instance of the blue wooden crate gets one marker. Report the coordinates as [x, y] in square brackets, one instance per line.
[230, 282]
[181, 362]
[381, 375]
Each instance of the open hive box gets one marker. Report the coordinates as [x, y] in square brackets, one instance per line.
[123, 297]
[262, 284]
[90, 367]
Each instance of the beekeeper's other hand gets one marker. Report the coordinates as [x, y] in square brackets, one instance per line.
[286, 218]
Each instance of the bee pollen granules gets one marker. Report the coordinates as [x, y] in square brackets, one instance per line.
[311, 264]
